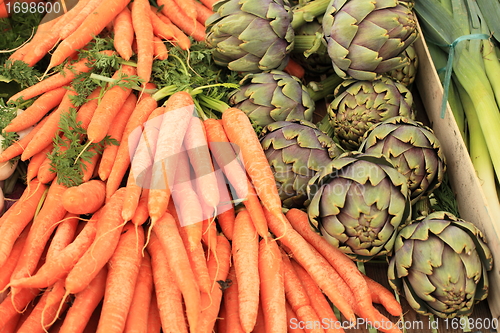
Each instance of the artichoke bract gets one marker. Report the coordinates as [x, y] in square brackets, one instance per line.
[252, 35]
[296, 150]
[413, 149]
[406, 74]
[366, 38]
[272, 96]
[440, 265]
[358, 105]
[357, 202]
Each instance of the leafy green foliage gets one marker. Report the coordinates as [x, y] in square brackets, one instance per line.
[72, 150]
[7, 113]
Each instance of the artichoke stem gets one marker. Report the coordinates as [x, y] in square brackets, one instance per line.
[308, 44]
[307, 13]
[325, 127]
[422, 207]
[320, 90]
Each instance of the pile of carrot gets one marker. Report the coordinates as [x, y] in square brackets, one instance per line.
[176, 224]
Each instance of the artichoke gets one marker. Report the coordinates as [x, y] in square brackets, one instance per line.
[440, 264]
[251, 35]
[296, 151]
[406, 74]
[413, 149]
[357, 202]
[358, 105]
[366, 38]
[272, 96]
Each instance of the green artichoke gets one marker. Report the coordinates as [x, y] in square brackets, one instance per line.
[358, 105]
[412, 148]
[272, 96]
[296, 150]
[406, 74]
[366, 38]
[357, 202]
[251, 35]
[440, 264]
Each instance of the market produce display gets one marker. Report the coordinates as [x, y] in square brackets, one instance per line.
[222, 166]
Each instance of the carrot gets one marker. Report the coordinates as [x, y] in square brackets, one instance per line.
[44, 39]
[218, 267]
[292, 319]
[221, 323]
[121, 119]
[54, 305]
[208, 3]
[46, 134]
[62, 78]
[209, 234]
[36, 161]
[19, 217]
[141, 213]
[319, 301]
[72, 25]
[178, 17]
[239, 130]
[245, 250]
[93, 24]
[7, 268]
[44, 223]
[382, 295]
[137, 319]
[18, 147]
[123, 271]
[84, 304]
[86, 198]
[180, 38]
[123, 34]
[231, 304]
[160, 28]
[58, 266]
[90, 166]
[139, 175]
[298, 298]
[86, 111]
[260, 325]
[272, 286]
[4, 13]
[226, 215]
[315, 264]
[256, 211]
[63, 235]
[141, 20]
[170, 239]
[45, 172]
[339, 261]
[34, 113]
[154, 320]
[11, 326]
[108, 232]
[10, 307]
[188, 8]
[160, 50]
[116, 169]
[174, 124]
[109, 106]
[202, 12]
[168, 294]
[295, 69]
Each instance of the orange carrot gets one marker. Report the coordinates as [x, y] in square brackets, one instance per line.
[7, 268]
[172, 10]
[65, 76]
[93, 24]
[160, 50]
[86, 198]
[36, 161]
[19, 217]
[260, 325]
[108, 232]
[45, 172]
[298, 298]
[141, 212]
[154, 320]
[160, 28]
[218, 267]
[231, 304]
[180, 38]
[202, 12]
[187, 7]
[295, 69]
[319, 301]
[209, 3]
[63, 236]
[167, 232]
[168, 294]
[245, 250]
[123, 271]
[72, 25]
[137, 319]
[342, 264]
[141, 20]
[272, 286]
[292, 319]
[382, 295]
[34, 113]
[84, 304]
[47, 133]
[9, 307]
[109, 106]
[121, 119]
[221, 324]
[4, 13]
[86, 111]
[226, 213]
[315, 264]
[123, 34]
[90, 166]
[18, 147]
[239, 130]
[44, 39]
